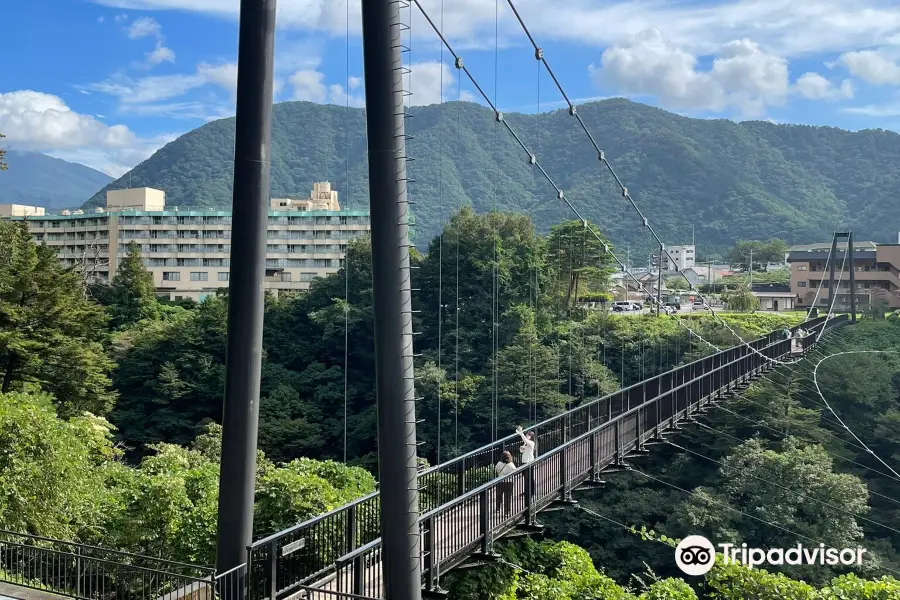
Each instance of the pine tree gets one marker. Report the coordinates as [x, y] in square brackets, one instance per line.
[133, 291]
[50, 333]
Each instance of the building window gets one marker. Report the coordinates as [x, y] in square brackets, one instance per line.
[801, 267]
[801, 284]
[199, 276]
[171, 276]
[223, 275]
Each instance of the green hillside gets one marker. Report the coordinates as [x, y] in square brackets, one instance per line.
[730, 180]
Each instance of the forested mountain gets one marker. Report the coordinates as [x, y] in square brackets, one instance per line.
[752, 180]
[40, 180]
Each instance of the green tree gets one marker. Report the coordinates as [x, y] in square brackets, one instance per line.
[742, 300]
[133, 290]
[53, 472]
[761, 253]
[579, 260]
[50, 334]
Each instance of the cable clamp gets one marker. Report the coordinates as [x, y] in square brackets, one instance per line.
[624, 192]
[498, 116]
[532, 159]
[572, 110]
[602, 156]
[459, 62]
[559, 194]
[538, 53]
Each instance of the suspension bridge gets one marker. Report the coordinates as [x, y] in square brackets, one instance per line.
[399, 542]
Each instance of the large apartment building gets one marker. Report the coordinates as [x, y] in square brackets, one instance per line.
[877, 271]
[188, 251]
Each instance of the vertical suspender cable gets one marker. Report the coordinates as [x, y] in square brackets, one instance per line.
[495, 304]
[346, 246]
[440, 306]
[456, 312]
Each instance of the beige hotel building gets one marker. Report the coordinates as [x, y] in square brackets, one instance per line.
[188, 251]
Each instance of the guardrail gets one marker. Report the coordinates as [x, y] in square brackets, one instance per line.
[91, 573]
[333, 545]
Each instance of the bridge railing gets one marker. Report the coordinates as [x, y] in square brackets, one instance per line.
[309, 551]
[90, 573]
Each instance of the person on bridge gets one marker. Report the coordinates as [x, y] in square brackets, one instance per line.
[528, 449]
[504, 491]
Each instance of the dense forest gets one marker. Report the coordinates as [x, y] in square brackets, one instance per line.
[750, 180]
[110, 401]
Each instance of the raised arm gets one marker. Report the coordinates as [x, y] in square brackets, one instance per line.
[522, 434]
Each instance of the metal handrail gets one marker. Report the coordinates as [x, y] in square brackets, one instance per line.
[487, 447]
[79, 545]
[353, 522]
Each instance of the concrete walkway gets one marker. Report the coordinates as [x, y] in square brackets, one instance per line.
[14, 592]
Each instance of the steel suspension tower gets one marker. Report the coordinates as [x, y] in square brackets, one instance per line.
[389, 209]
[250, 215]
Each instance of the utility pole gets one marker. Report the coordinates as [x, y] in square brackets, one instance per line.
[851, 256]
[831, 290]
[751, 268]
[659, 282]
[392, 301]
[250, 206]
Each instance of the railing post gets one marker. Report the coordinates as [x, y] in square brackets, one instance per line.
[273, 570]
[658, 416]
[429, 553]
[78, 588]
[358, 582]
[483, 521]
[350, 533]
[529, 494]
[592, 446]
[461, 477]
[617, 456]
[563, 475]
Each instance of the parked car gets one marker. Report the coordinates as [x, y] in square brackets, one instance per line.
[698, 305]
[674, 305]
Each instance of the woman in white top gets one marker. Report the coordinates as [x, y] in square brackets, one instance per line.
[528, 449]
[504, 491]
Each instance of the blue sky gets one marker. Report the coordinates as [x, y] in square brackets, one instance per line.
[107, 82]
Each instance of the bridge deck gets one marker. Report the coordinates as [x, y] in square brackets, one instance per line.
[340, 553]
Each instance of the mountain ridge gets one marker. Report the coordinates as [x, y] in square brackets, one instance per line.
[729, 180]
[37, 179]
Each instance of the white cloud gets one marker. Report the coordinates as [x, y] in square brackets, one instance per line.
[120, 18]
[149, 27]
[43, 122]
[160, 54]
[875, 110]
[138, 96]
[424, 81]
[816, 87]
[786, 27]
[144, 27]
[428, 81]
[742, 76]
[872, 66]
[99, 19]
[308, 85]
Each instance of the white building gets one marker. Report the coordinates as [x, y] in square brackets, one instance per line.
[682, 257]
[189, 251]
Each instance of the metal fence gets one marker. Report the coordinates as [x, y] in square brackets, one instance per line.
[91, 573]
[342, 548]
